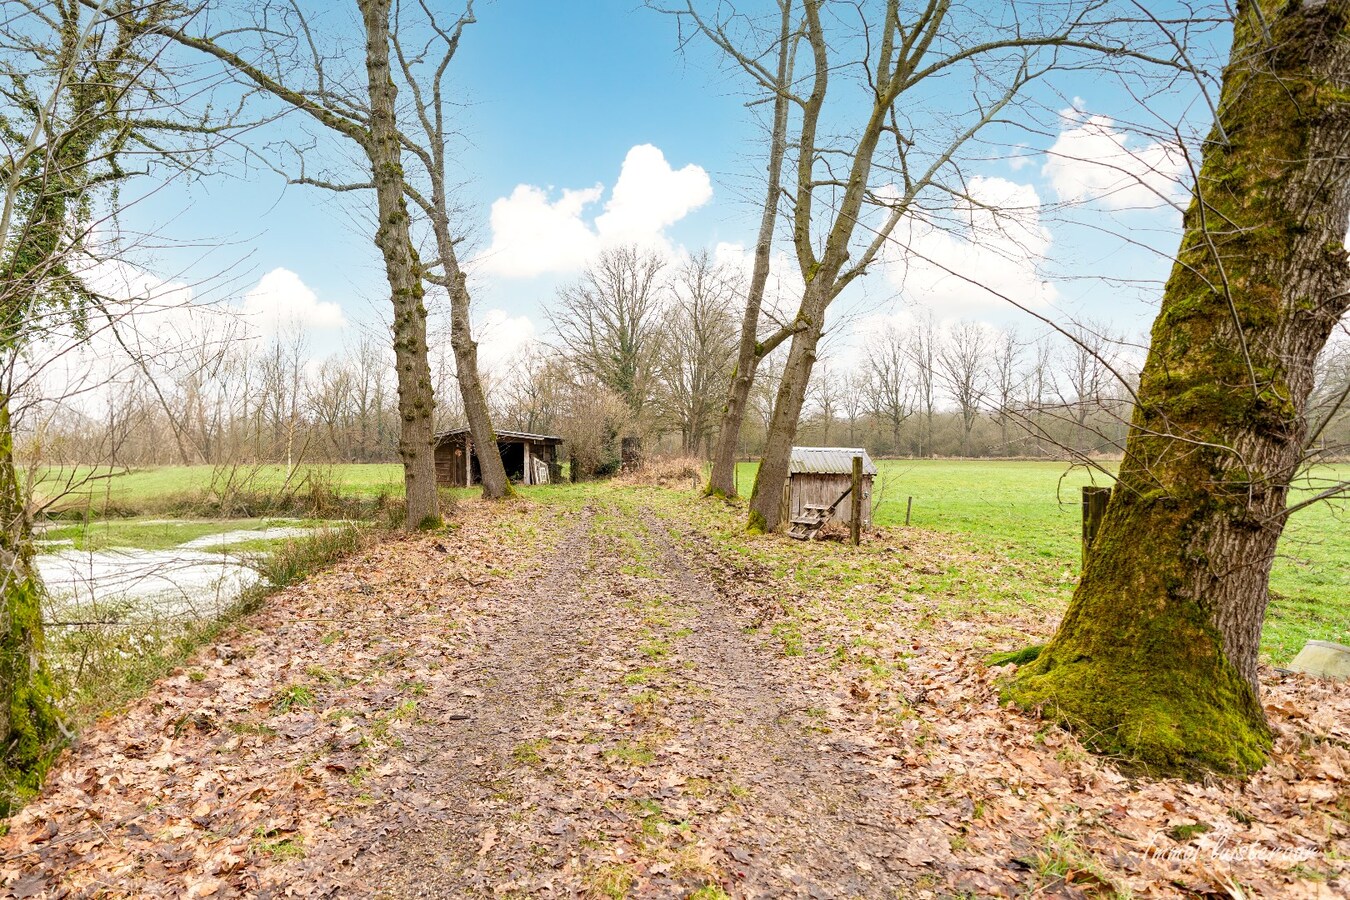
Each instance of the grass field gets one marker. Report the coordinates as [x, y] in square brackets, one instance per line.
[1024, 510]
[84, 486]
[1033, 509]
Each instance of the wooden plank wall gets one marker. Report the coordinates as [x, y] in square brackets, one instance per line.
[822, 490]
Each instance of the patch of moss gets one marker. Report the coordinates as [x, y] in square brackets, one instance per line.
[1015, 657]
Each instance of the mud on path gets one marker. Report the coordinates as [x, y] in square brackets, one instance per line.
[618, 694]
[628, 736]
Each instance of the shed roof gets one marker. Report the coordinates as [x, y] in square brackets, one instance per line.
[503, 434]
[829, 461]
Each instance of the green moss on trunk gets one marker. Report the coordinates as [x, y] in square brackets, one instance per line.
[1156, 659]
[29, 730]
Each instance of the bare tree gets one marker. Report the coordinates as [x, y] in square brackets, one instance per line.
[774, 78]
[1006, 382]
[962, 366]
[429, 104]
[608, 324]
[81, 94]
[854, 403]
[696, 349]
[922, 349]
[887, 381]
[844, 181]
[365, 115]
[1087, 379]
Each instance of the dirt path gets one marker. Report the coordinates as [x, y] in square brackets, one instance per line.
[626, 735]
[618, 694]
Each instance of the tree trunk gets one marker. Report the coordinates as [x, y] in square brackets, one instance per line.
[1156, 658]
[766, 500]
[416, 403]
[722, 480]
[476, 411]
[28, 720]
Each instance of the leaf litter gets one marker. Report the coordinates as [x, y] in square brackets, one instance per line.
[620, 695]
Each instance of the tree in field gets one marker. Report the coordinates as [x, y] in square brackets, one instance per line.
[1006, 381]
[698, 340]
[962, 368]
[1156, 658]
[886, 382]
[858, 162]
[771, 71]
[609, 324]
[284, 61]
[426, 142]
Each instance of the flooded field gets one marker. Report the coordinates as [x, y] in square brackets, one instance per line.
[153, 570]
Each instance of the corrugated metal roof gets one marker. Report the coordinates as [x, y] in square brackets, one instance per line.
[829, 461]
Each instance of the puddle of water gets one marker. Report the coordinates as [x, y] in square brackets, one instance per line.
[240, 537]
[132, 585]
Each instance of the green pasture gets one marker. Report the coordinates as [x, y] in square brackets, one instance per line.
[1028, 511]
[80, 486]
[1032, 510]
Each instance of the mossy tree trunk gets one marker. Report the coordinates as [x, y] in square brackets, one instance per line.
[1156, 658]
[416, 403]
[28, 719]
[750, 349]
[427, 101]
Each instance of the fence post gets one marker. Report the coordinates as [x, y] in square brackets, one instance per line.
[1094, 508]
[909, 508]
[855, 520]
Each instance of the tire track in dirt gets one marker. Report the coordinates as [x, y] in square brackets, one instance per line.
[814, 813]
[628, 737]
[528, 656]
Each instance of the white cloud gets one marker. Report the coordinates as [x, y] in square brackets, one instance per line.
[1093, 160]
[281, 300]
[501, 338]
[990, 247]
[533, 234]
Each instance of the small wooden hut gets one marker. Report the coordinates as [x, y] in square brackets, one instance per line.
[528, 458]
[819, 476]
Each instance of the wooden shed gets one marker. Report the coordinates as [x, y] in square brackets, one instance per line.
[528, 458]
[817, 478]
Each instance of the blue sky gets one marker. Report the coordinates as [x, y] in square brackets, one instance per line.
[557, 96]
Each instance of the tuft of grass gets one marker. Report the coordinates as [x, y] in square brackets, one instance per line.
[295, 695]
[297, 559]
[270, 842]
[609, 882]
[1062, 860]
[528, 752]
[1183, 833]
[630, 754]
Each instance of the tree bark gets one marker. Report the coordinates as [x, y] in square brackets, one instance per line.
[394, 238]
[766, 499]
[28, 720]
[722, 480]
[1156, 658]
[476, 410]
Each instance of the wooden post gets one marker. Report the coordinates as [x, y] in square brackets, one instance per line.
[1094, 508]
[855, 520]
[909, 507]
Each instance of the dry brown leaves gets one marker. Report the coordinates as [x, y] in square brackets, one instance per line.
[996, 803]
[253, 769]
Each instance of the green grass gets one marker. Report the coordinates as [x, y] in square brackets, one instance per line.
[1032, 511]
[140, 485]
[160, 534]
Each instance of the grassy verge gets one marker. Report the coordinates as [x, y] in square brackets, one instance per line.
[1030, 513]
